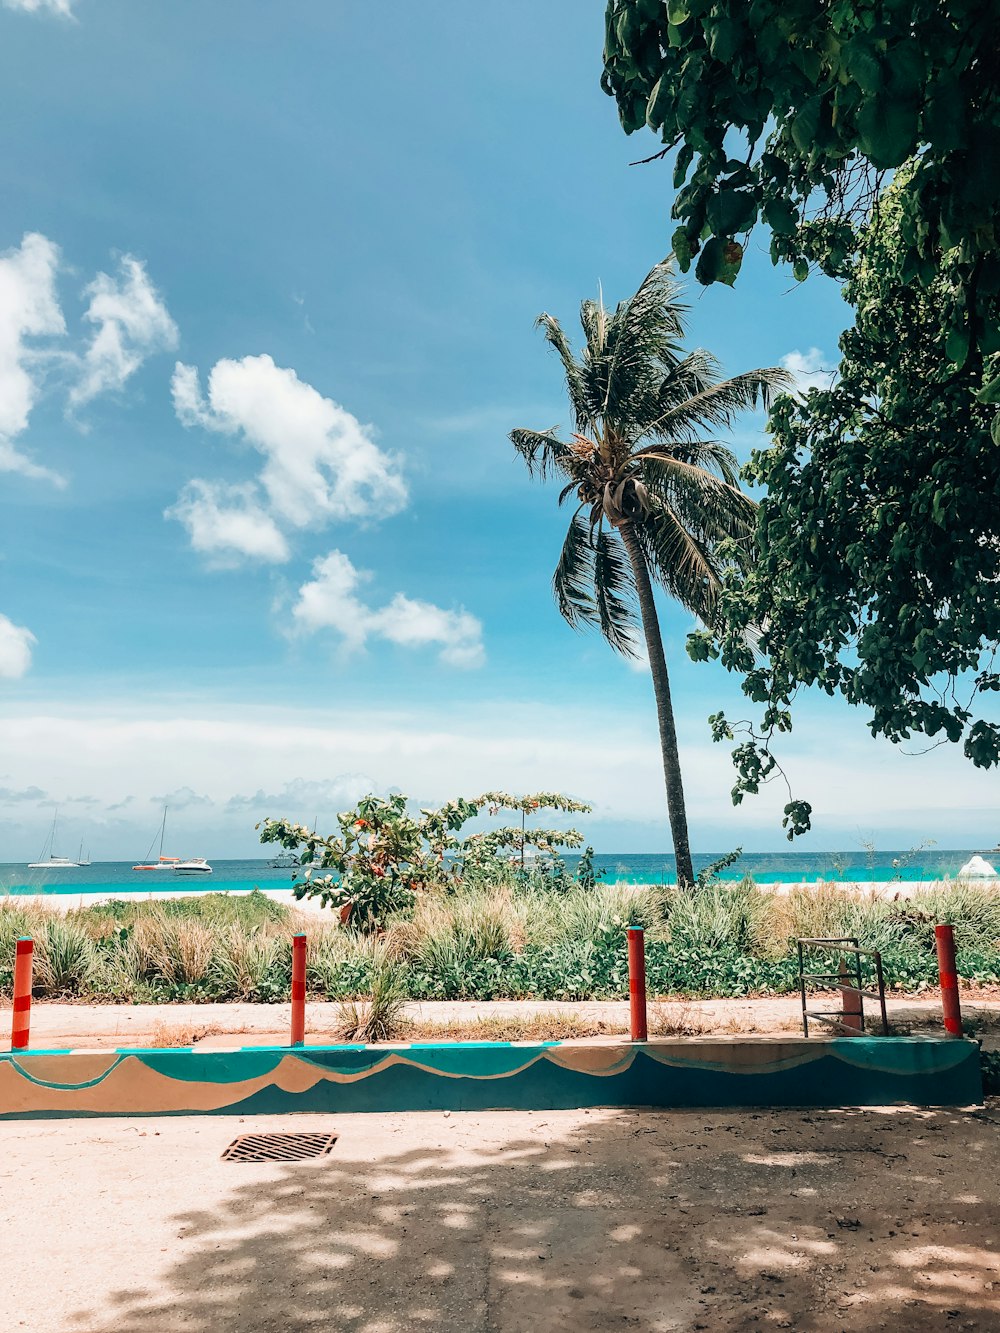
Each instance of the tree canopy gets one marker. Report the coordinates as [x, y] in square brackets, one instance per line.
[795, 113]
[879, 562]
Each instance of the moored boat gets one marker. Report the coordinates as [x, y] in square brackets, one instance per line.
[52, 862]
[197, 865]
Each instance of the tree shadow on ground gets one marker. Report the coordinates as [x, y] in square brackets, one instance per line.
[822, 1221]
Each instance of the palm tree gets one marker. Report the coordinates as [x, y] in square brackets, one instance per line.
[657, 496]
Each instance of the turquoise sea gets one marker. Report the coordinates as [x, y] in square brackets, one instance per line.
[118, 877]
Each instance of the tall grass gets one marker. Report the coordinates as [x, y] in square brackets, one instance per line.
[490, 939]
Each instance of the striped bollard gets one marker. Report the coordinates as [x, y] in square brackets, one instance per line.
[944, 938]
[298, 989]
[637, 982]
[21, 1020]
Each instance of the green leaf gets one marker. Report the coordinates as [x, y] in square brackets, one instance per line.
[995, 430]
[677, 12]
[864, 66]
[990, 392]
[681, 247]
[800, 269]
[731, 211]
[724, 39]
[780, 216]
[806, 125]
[711, 262]
[887, 130]
[684, 159]
[659, 102]
[956, 346]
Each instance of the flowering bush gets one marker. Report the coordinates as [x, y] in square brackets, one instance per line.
[384, 856]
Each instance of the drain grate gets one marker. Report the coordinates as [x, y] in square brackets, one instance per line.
[278, 1147]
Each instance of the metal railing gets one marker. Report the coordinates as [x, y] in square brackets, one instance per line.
[848, 1020]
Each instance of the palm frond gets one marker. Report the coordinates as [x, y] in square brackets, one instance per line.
[614, 590]
[642, 344]
[711, 455]
[710, 508]
[573, 580]
[718, 404]
[542, 451]
[555, 336]
[681, 561]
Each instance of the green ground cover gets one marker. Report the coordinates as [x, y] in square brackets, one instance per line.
[493, 937]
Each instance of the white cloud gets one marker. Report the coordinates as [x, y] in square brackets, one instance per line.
[131, 324]
[331, 601]
[304, 798]
[433, 752]
[13, 796]
[29, 308]
[227, 523]
[64, 8]
[810, 370]
[15, 649]
[320, 462]
[182, 799]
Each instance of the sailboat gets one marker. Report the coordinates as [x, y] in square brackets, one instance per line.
[52, 862]
[162, 862]
[195, 865]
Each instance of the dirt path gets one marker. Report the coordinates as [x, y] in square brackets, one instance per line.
[55, 1026]
[817, 1221]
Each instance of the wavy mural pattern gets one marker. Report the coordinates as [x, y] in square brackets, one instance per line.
[493, 1075]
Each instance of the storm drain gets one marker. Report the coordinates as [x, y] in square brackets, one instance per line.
[278, 1147]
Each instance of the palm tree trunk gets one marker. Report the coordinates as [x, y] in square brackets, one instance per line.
[664, 706]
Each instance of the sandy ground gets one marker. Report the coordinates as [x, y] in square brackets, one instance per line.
[816, 1221]
[58, 1026]
[65, 902]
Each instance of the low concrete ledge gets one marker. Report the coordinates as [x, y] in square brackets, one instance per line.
[478, 1076]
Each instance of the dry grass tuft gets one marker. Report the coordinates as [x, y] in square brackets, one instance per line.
[516, 1027]
[184, 1034]
[677, 1020]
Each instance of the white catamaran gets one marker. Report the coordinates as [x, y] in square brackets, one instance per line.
[52, 862]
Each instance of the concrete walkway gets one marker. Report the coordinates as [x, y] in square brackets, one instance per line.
[55, 1025]
[818, 1221]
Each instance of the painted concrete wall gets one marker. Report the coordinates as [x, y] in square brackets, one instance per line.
[456, 1076]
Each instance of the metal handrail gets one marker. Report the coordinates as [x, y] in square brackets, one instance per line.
[844, 944]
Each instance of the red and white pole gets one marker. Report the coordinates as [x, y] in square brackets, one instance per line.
[21, 1020]
[944, 938]
[637, 983]
[298, 989]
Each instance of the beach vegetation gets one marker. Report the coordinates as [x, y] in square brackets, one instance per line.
[654, 495]
[496, 936]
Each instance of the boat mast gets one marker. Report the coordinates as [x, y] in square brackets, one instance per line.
[163, 829]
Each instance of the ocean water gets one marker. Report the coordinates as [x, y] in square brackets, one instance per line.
[118, 877]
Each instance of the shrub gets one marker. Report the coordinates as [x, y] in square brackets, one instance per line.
[64, 959]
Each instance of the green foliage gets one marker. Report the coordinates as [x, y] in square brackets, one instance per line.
[712, 871]
[384, 856]
[877, 556]
[827, 100]
[586, 876]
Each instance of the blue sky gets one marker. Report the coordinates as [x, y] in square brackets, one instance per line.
[307, 562]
